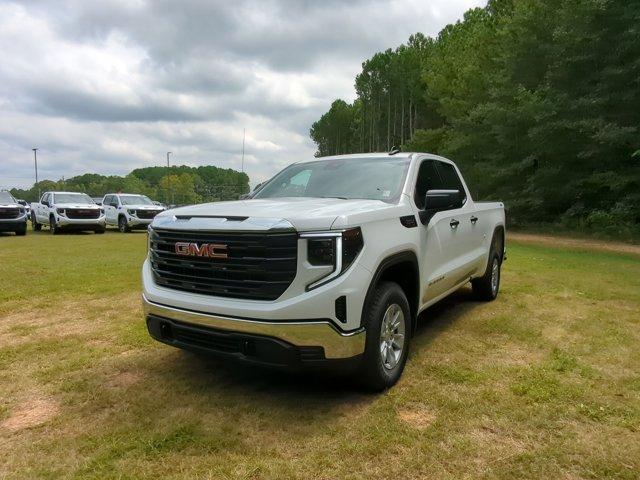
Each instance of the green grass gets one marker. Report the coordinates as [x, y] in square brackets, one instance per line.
[542, 383]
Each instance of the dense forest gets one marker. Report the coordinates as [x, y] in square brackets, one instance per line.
[172, 185]
[538, 101]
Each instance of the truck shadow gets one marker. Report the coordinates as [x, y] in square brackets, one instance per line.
[300, 390]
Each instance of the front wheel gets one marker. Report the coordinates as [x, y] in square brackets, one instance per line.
[388, 320]
[122, 225]
[53, 227]
[22, 231]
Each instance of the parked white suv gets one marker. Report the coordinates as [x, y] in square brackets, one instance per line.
[330, 262]
[67, 211]
[129, 211]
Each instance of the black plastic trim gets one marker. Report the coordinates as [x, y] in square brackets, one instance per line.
[390, 261]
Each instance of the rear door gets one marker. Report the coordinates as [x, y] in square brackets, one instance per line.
[109, 210]
[42, 210]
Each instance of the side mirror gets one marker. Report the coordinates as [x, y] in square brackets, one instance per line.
[438, 201]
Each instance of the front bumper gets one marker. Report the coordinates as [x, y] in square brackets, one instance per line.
[135, 222]
[12, 224]
[88, 223]
[278, 343]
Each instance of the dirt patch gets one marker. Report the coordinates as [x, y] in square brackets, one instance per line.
[34, 411]
[574, 243]
[123, 380]
[72, 318]
[511, 355]
[417, 416]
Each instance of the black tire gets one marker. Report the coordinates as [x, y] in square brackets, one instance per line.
[486, 288]
[122, 225]
[22, 231]
[376, 373]
[55, 230]
[99, 231]
[34, 224]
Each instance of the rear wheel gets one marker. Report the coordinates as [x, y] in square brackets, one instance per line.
[122, 225]
[487, 287]
[388, 320]
[34, 224]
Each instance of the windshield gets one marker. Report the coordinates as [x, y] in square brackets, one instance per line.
[5, 197]
[72, 198]
[135, 200]
[367, 178]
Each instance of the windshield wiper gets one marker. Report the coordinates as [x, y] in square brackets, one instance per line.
[341, 198]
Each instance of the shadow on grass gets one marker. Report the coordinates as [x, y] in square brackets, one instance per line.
[296, 390]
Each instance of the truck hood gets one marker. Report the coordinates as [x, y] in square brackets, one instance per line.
[303, 214]
[84, 206]
[144, 207]
[9, 205]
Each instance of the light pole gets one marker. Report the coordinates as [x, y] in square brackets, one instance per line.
[168, 153]
[35, 161]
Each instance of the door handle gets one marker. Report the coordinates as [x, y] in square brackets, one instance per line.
[474, 220]
[454, 223]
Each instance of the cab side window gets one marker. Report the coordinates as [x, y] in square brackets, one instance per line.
[428, 179]
[451, 180]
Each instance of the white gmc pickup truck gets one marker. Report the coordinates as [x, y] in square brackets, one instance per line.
[67, 211]
[329, 263]
[129, 211]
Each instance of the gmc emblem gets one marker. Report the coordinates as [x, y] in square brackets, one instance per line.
[209, 250]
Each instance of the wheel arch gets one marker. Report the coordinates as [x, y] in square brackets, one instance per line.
[499, 233]
[403, 269]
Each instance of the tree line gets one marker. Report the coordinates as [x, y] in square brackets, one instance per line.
[538, 101]
[171, 185]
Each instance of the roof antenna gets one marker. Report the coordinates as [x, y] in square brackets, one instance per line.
[394, 150]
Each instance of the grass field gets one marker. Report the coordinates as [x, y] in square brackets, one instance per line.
[542, 383]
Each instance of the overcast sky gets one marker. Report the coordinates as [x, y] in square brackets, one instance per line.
[107, 86]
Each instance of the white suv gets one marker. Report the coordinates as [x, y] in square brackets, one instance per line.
[329, 263]
[129, 211]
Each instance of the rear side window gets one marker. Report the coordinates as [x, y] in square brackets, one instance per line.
[450, 179]
[428, 179]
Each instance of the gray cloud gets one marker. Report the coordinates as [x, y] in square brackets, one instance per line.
[110, 86]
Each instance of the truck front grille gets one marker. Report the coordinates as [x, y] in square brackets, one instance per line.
[8, 213]
[82, 214]
[258, 266]
[147, 214]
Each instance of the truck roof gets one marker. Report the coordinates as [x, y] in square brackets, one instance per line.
[59, 191]
[379, 155]
[360, 155]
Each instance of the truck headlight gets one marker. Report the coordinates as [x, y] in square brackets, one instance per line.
[336, 249]
[131, 212]
[60, 211]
